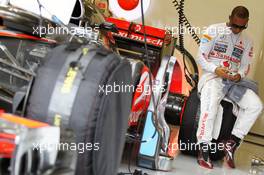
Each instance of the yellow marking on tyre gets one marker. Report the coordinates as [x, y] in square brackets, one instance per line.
[68, 82]
[85, 51]
[57, 120]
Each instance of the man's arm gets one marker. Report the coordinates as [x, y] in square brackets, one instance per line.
[246, 60]
[205, 48]
[245, 63]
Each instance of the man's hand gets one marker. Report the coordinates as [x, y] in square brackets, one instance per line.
[222, 72]
[235, 78]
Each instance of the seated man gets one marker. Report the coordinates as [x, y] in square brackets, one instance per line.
[225, 54]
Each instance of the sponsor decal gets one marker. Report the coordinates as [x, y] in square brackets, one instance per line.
[204, 118]
[226, 64]
[223, 37]
[209, 38]
[204, 40]
[128, 9]
[238, 53]
[212, 53]
[222, 42]
[138, 28]
[240, 46]
[133, 36]
[224, 56]
[219, 47]
[144, 81]
[134, 117]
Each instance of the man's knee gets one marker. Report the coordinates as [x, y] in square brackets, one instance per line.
[252, 102]
[256, 105]
[259, 107]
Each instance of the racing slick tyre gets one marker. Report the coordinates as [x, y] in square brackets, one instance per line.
[189, 125]
[96, 117]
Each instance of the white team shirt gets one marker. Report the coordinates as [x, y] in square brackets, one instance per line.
[221, 47]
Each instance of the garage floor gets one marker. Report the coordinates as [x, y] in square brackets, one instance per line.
[188, 166]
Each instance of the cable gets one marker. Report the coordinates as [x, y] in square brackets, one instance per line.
[181, 39]
[151, 80]
[147, 56]
[148, 63]
[181, 29]
[152, 94]
[193, 62]
[183, 21]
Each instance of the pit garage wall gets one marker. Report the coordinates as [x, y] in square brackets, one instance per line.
[202, 13]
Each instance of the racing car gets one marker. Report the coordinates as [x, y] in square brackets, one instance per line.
[63, 81]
